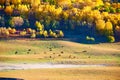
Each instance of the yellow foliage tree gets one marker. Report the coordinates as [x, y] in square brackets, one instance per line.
[117, 28]
[23, 33]
[4, 32]
[12, 31]
[45, 33]
[87, 8]
[65, 15]
[16, 2]
[26, 1]
[98, 2]
[88, 0]
[58, 11]
[9, 10]
[100, 25]
[61, 34]
[33, 35]
[78, 0]
[22, 8]
[35, 3]
[52, 34]
[63, 3]
[39, 26]
[108, 28]
[2, 2]
[104, 14]
[29, 30]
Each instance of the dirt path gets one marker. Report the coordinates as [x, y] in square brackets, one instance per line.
[24, 66]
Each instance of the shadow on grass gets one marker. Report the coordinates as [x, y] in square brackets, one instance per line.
[80, 37]
[2, 78]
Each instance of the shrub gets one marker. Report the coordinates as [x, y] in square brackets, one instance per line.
[29, 30]
[16, 21]
[60, 34]
[23, 33]
[39, 26]
[52, 34]
[45, 33]
[12, 31]
[90, 38]
[4, 32]
[33, 35]
[111, 39]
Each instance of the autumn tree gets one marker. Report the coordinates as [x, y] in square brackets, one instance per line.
[9, 10]
[108, 28]
[15, 2]
[100, 26]
[63, 3]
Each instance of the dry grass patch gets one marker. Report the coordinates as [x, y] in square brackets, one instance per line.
[105, 73]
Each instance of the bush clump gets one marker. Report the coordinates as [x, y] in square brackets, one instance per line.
[16, 21]
[111, 39]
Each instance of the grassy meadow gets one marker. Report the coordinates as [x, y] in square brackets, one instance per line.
[59, 52]
[65, 52]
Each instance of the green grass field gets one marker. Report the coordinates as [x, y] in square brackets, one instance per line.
[58, 51]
